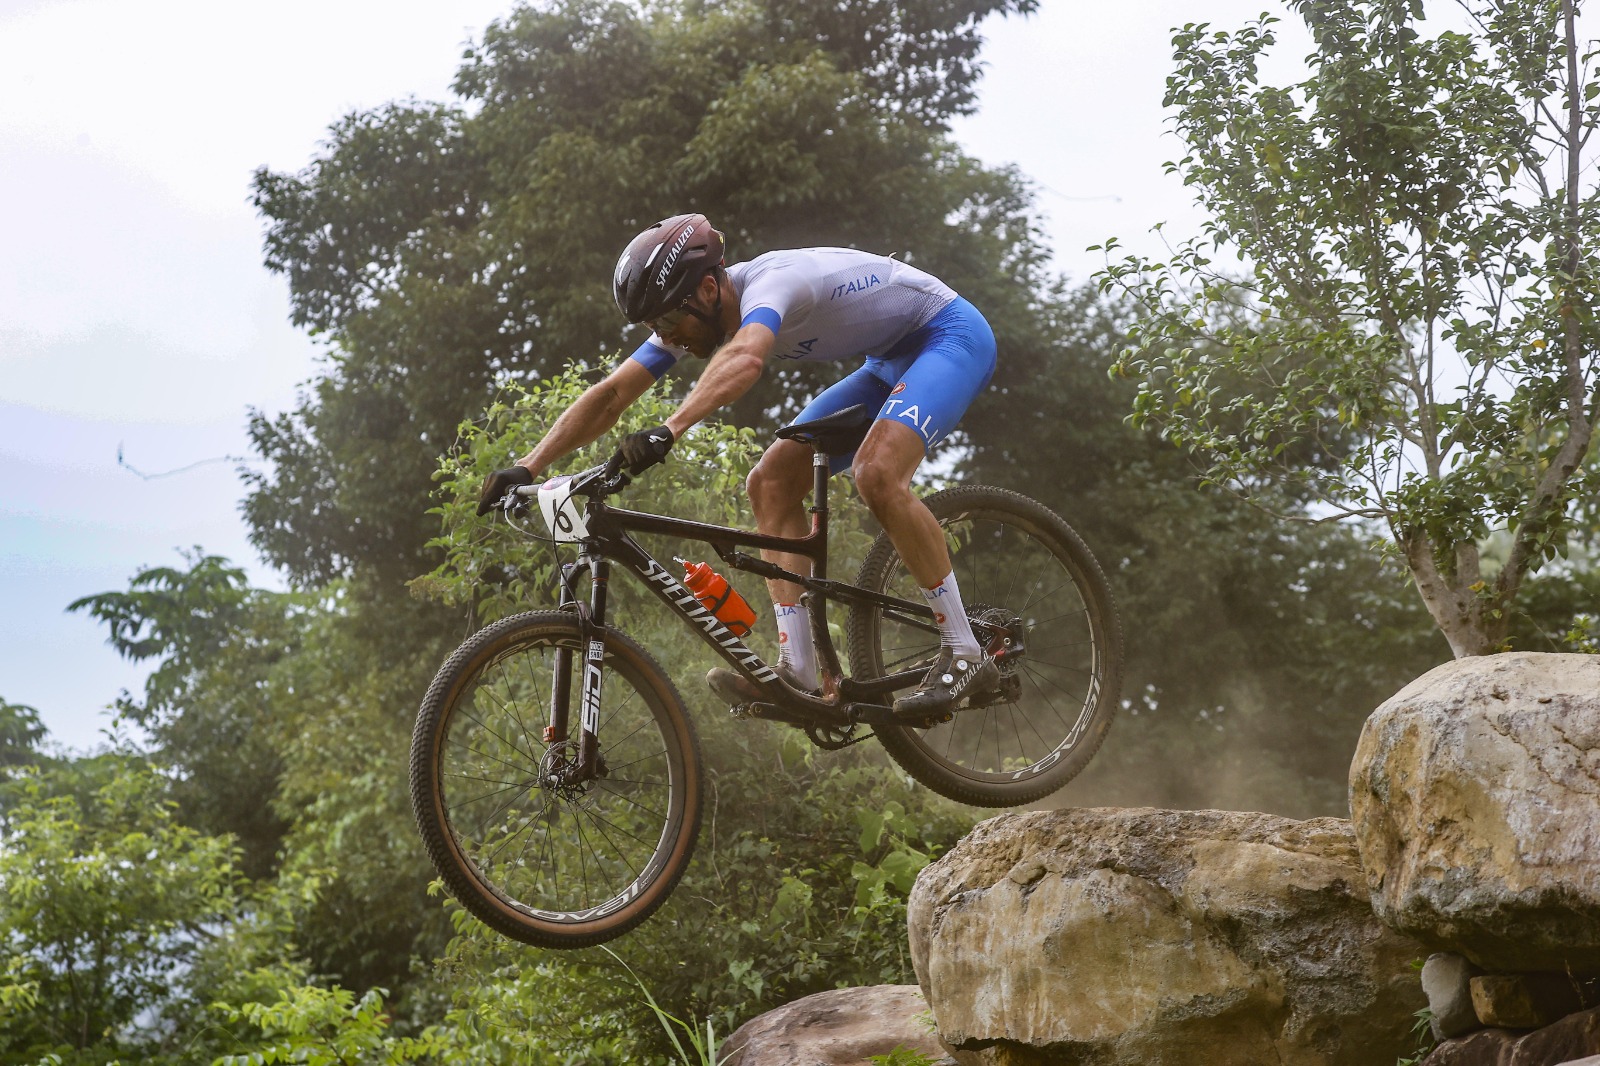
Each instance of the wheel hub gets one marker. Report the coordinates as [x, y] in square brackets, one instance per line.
[561, 774]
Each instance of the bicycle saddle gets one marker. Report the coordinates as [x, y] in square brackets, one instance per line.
[837, 434]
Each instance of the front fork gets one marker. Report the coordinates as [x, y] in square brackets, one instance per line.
[586, 765]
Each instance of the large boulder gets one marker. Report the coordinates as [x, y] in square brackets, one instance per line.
[1205, 938]
[843, 1027]
[1475, 793]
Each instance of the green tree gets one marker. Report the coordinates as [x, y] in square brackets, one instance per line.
[104, 899]
[332, 1026]
[280, 718]
[440, 248]
[214, 642]
[1414, 342]
[21, 731]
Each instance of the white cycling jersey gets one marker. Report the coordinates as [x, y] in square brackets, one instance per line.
[824, 303]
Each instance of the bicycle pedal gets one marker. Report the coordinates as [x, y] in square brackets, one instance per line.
[745, 711]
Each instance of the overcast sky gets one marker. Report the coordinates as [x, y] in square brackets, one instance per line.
[135, 314]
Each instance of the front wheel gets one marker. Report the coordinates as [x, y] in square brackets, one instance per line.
[533, 853]
[1025, 578]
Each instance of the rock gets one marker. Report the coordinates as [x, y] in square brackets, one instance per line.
[1577, 1036]
[1144, 936]
[1447, 982]
[844, 1026]
[1528, 1001]
[1475, 793]
[1486, 1047]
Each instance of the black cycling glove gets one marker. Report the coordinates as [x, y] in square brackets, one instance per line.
[497, 484]
[644, 449]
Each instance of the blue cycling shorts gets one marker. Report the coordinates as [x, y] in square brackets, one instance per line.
[927, 380]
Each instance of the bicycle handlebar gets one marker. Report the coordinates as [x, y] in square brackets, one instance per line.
[597, 482]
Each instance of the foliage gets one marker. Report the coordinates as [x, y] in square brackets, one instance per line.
[1414, 343]
[441, 248]
[443, 252]
[702, 1049]
[104, 900]
[332, 1027]
[279, 718]
[1422, 1031]
[21, 730]
[343, 708]
[214, 642]
[1256, 647]
[499, 568]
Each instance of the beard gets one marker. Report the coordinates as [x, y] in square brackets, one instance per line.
[704, 344]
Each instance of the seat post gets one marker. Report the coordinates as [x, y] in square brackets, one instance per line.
[819, 482]
[820, 512]
[819, 507]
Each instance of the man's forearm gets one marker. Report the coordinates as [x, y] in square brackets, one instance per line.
[596, 411]
[728, 377]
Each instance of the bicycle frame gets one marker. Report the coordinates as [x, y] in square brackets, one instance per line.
[844, 702]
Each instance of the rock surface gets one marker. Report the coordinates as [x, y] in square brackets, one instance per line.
[1530, 1000]
[838, 1028]
[1206, 938]
[1576, 1036]
[1447, 982]
[1475, 793]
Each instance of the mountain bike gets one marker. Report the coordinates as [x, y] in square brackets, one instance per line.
[556, 777]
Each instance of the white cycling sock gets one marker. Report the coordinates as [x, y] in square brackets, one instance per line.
[794, 640]
[955, 632]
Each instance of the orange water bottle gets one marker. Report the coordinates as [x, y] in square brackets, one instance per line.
[719, 597]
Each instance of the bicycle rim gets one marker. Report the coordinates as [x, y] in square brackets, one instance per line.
[1019, 566]
[559, 866]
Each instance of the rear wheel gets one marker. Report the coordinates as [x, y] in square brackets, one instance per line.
[1027, 578]
[533, 854]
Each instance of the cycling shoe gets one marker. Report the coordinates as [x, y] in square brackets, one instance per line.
[734, 689]
[950, 680]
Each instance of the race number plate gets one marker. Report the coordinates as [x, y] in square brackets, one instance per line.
[562, 511]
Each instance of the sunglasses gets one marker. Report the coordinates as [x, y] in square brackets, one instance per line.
[669, 321]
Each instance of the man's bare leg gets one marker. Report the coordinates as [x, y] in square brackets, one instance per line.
[778, 487]
[884, 465]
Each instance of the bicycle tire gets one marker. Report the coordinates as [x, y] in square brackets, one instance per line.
[1014, 543]
[472, 840]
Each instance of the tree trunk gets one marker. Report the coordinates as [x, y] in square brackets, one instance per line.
[1459, 611]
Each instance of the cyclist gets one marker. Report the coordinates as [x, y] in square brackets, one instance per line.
[928, 353]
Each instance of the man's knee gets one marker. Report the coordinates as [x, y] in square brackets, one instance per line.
[781, 477]
[884, 465]
[879, 480]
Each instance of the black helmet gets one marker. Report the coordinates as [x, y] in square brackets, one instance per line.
[661, 266]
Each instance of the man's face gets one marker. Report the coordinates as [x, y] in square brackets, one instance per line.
[690, 331]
